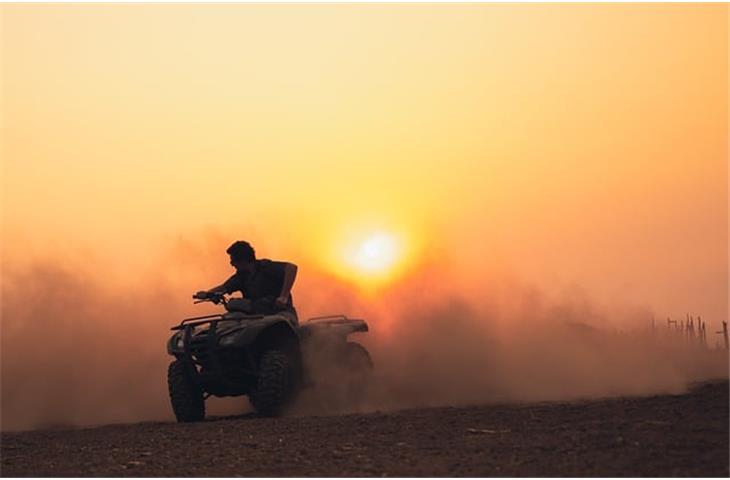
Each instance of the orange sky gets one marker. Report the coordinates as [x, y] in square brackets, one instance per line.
[569, 145]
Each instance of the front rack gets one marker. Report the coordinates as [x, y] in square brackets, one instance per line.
[330, 319]
[192, 321]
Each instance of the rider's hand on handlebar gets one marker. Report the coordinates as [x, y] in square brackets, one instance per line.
[201, 295]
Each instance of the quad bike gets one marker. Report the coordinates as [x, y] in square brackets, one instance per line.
[255, 350]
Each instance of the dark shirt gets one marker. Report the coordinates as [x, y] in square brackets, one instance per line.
[263, 284]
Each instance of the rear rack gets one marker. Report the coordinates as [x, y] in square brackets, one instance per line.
[333, 319]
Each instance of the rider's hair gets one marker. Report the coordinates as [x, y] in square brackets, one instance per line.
[241, 251]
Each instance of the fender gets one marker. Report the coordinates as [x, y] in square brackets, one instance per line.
[336, 326]
[266, 333]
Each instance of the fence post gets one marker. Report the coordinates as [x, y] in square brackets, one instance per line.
[671, 322]
[724, 334]
[701, 331]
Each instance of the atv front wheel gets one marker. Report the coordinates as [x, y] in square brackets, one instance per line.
[274, 383]
[185, 396]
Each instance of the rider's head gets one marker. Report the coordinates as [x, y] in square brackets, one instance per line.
[242, 255]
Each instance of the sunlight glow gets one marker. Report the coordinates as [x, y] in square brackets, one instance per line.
[377, 253]
[371, 257]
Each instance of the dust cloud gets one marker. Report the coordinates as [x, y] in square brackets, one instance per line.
[76, 351]
[79, 348]
[516, 345]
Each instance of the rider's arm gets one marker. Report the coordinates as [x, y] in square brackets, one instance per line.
[290, 273]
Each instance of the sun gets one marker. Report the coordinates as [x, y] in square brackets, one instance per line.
[375, 256]
[370, 253]
[377, 253]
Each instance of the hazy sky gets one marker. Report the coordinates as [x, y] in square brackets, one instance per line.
[572, 146]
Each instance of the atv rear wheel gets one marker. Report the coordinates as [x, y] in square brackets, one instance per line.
[185, 396]
[358, 377]
[357, 359]
[274, 385]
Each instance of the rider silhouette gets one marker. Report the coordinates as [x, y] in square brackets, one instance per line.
[266, 283]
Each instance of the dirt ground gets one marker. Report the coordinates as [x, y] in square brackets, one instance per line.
[668, 435]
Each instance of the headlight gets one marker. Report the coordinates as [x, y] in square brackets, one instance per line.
[179, 342]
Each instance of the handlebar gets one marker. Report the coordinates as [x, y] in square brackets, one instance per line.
[237, 304]
[213, 297]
